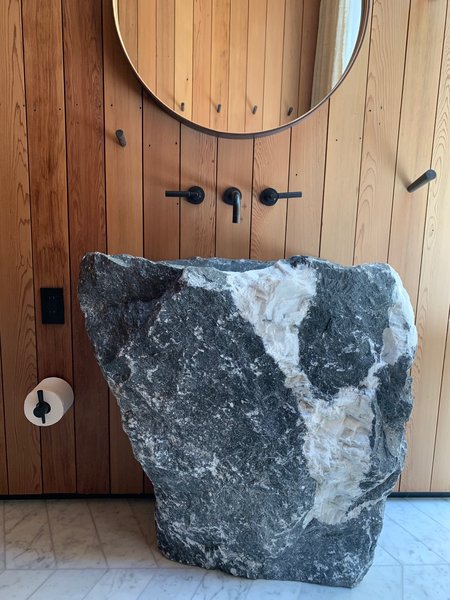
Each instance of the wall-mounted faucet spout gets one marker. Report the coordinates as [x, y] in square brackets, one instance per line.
[233, 196]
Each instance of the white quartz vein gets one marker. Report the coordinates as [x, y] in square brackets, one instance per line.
[275, 300]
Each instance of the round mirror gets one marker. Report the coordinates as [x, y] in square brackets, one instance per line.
[241, 67]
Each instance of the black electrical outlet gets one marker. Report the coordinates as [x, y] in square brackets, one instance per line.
[52, 303]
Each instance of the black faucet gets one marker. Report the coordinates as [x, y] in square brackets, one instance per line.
[233, 196]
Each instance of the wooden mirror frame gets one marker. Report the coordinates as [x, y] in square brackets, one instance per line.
[365, 12]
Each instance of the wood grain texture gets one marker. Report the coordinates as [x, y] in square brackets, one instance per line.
[307, 174]
[220, 64]
[270, 169]
[292, 58]
[235, 160]
[273, 58]
[83, 68]
[146, 61]
[201, 88]
[165, 52]
[237, 97]
[345, 130]
[3, 462]
[381, 125]
[161, 172]
[17, 321]
[184, 21]
[440, 481]
[434, 299]
[422, 69]
[198, 167]
[310, 27]
[124, 208]
[43, 51]
[255, 64]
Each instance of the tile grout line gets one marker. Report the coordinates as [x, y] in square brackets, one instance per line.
[417, 540]
[410, 501]
[97, 533]
[51, 535]
[51, 572]
[143, 532]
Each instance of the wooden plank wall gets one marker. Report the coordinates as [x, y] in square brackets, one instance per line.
[67, 187]
[201, 54]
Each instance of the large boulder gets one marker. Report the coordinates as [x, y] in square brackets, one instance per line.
[267, 402]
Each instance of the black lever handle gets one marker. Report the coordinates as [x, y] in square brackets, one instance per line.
[422, 180]
[270, 197]
[233, 197]
[194, 195]
[42, 407]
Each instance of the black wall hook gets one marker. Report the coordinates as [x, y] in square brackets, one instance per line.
[254, 109]
[290, 111]
[422, 180]
[121, 137]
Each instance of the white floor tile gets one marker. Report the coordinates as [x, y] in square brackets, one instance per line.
[382, 558]
[19, 584]
[436, 508]
[68, 584]
[421, 526]
[262, 589]
[144, 513]
[380, 583]
[123, 542]
[404, 547]
[28, 543]
[171, 584]
[2, 536]
[220, 586]
[74, 535]
[121, 584]
[425, 582]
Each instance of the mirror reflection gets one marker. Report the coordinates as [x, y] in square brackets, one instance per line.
[240, 66]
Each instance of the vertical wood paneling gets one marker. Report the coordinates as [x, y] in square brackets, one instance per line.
[220, 64]
[255, 65]
[270, 169]
[326, 157]
[440, 481]
[201, 88]
[123, 110]
[292, 53]
[184, 18]
[310, 27]
[146, 60]
[382, 119]
[17, 324]
[3, 465]
[422, 68]
[128, 17]
[273, 59]
[237, 96]
[165, 52]
[434, 299]
[345, 130]
[235, 161]
[198, 167]
[161, 173]
[42, 23]
[83, 67]
[307, 173]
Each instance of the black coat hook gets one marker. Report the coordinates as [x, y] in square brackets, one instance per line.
[254, 109]
[290, 111]
[182, 105]
[219, 108]
[422, 180]
[121, 137]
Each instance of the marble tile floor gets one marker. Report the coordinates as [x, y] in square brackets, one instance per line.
[106, 550]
